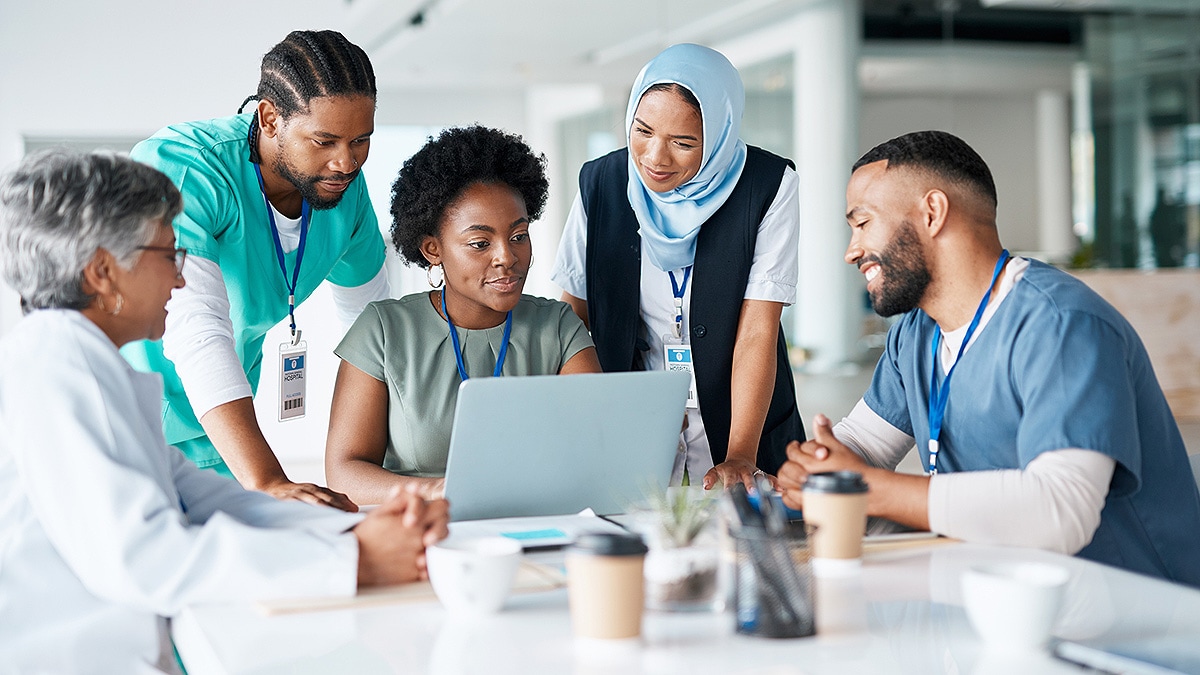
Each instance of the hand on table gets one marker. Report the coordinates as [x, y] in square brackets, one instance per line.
[313, 494]
[393, 536]
[823, 453]
[734, 471]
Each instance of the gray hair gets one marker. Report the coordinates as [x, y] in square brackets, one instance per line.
[59, 207]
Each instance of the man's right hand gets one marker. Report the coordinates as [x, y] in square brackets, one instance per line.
[313, 494]
[393, 536]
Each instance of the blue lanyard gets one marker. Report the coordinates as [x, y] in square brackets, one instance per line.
[678, 290]
[462, 369]
[305, 210]
[940, 396]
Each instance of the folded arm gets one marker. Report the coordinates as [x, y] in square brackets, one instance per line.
[127, 531]
[1054, 503]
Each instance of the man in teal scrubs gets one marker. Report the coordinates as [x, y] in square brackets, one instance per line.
[264, 194]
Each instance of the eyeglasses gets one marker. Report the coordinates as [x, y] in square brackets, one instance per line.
[180, 255]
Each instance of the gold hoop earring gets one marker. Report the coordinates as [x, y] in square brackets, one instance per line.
[441, 276]
[117, 309]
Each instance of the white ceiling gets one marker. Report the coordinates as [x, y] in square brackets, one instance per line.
[506, 43]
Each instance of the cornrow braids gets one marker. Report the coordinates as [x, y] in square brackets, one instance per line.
[311, 64]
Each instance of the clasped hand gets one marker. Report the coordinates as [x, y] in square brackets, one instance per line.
[393, 536]
[820, 454]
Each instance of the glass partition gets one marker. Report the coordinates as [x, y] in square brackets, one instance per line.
[1145, 97]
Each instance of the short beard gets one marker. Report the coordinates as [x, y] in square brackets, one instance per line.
[307, 185]
[905, 274]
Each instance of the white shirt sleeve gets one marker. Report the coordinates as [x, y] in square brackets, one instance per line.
[776, 263]
[1054, 503]
[350, 301]
[199, 339]
[872, 437]
[205, 493]
[108, 501]
[569, 271]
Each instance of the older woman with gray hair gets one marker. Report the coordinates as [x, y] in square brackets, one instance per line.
[104, 529]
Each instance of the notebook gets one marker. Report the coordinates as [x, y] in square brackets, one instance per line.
[1153, 655]
[558, 444]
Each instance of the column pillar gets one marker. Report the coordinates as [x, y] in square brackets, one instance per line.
[1055, 238]
[828, 316]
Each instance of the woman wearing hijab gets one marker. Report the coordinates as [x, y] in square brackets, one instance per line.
[680, 252]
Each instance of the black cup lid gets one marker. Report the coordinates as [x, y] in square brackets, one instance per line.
[838, 482]
[609, 544]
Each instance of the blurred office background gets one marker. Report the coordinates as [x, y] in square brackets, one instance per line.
[1088, 112]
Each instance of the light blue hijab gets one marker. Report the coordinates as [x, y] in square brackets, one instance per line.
[670, 221]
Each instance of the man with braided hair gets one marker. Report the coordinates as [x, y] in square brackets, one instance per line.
[273, 206]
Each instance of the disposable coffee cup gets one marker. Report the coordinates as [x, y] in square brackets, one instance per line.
[604, 585]
[835, 517]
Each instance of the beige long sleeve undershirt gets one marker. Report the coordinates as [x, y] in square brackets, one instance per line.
[1054, 503]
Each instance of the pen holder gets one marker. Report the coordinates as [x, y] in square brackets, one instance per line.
[773, 585]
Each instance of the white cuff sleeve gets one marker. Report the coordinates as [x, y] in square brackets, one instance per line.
[776, 264]
[569, 265]
[350, 301]
[872, 437]
[199, 339]
[1054, 503]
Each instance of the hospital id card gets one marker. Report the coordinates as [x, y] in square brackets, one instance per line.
[292, 370]
[678, 358]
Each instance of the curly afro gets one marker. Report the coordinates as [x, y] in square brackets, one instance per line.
[433, 178]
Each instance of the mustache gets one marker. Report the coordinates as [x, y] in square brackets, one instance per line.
[869, 259]
[340, 177]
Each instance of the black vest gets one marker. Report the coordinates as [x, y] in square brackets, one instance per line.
[724, 253]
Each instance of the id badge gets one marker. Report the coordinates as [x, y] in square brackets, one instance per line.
[678, 358]
[292, 368]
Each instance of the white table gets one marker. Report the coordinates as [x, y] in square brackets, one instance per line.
[903, 614]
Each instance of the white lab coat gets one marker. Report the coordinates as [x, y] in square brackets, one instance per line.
[104, 528]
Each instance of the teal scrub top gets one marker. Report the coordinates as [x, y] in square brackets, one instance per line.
[224, 220]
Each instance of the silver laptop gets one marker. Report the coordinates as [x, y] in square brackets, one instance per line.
[559, 444]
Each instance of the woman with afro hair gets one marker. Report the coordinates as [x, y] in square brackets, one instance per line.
[461, 208]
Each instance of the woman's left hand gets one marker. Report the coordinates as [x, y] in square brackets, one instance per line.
[734, 471]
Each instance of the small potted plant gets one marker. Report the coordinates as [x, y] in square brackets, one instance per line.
[683, 564]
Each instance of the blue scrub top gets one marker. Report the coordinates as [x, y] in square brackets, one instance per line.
[1057, 367]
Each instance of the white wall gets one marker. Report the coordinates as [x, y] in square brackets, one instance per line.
[1002, 130]
[153, 64]
[125, 68]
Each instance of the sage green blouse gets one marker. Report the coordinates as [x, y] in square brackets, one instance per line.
[406, 344]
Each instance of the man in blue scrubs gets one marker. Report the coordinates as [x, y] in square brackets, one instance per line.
[1031, 401]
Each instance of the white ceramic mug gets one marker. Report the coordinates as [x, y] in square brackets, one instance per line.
[473, 576]
[1014, 605]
